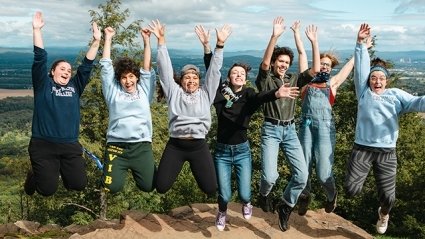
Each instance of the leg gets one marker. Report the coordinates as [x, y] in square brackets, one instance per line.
[73, 167]
[243, 169]
[294, 154]
[45, 166]
[171, 164]
[306, 140]
[223, 166]
[202, 166]
[115, 167]
[358, 167]
[385, 168]
[270, 138]
[142, 165]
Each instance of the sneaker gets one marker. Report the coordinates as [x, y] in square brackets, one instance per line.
[266, 203]
[303, 202]
[29, 185]
[330, 206]
[247, 211]
[284, 212]
[220, 220]
[382, 224]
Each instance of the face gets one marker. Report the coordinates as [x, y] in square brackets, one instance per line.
[377, 82]
[281, 65]
[190, 82]
[237, 78]
[62, 73]
[129, 82]
[325, 65]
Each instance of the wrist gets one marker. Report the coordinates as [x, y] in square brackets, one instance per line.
[219, 46]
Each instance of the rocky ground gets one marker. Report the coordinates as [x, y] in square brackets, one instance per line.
[195, 221]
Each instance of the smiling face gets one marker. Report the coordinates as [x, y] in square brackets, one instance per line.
[61, 73]
[128, 82]
[325, 65]
[190, 81]
[281, 65]
[237, 78]
[377, 82]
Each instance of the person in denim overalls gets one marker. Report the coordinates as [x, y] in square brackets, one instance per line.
[317, 127]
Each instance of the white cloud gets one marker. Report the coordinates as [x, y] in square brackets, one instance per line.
[398, 22]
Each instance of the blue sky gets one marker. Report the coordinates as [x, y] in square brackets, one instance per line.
[398, 24]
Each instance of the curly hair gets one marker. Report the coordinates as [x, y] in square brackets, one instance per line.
[282, 51]
[378, 62]
[126, 65]
[332, 57]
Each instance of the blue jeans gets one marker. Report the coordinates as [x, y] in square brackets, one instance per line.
[317, 136]
[274, 137]
[225, 157]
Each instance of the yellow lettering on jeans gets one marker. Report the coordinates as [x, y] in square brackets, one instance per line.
[108, 180]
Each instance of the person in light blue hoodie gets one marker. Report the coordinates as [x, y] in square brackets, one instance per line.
[378, 113]
[128, 92]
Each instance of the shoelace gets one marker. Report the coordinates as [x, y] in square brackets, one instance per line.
[221, 220]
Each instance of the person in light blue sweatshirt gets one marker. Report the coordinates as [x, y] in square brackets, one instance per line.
[377, 128]
[128, 92]
[189, 115]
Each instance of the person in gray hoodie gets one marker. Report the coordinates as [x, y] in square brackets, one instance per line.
[128, 91]
[189, 115]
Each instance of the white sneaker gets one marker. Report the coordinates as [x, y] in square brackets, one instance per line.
[382, 224]
[247, 211]
[220, 220]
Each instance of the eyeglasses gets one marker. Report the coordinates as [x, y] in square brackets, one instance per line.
[325, 64]
[375, 78]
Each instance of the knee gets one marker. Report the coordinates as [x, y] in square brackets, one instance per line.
[46, 191]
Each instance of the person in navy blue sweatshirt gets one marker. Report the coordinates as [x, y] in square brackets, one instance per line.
[54, 149]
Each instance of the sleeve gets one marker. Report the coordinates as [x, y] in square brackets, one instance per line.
[82, 76]
[165, 70]
[207, 59]
[361, 69]
[410, 103]
[257, 99]
[262, 76]
[107, 76]
[304, 78]
[212, 78]
[39, 70]
[147, 82]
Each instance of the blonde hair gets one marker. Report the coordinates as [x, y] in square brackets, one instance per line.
[332, 56]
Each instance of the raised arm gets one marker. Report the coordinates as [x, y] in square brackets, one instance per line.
[109, 33]
[92, 52]
[302, 56]
[311, 33]
[361, 60]
[204, 38]
[158, 29]
[147, 52]
[37, 24]
[278, 29]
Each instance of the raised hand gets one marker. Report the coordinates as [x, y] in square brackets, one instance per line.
[296, 26]
[287, 91]
[278, 27]
[157, 28]
[97, 35]
[364, 32]
[369, 42]
[145, 33]
[203, 35]
[311, 33]
[223, 33]
[37, 21]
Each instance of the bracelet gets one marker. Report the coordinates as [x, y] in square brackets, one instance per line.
[219, 46]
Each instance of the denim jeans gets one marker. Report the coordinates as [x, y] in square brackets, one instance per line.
[225, 158]
[274, 137]
[317, 137]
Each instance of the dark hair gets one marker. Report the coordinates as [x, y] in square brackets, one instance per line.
[246, 67]
[126, 65]
[282, 51]
[54, 65]
[378, 62]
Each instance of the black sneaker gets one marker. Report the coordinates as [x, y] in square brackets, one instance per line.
[266, 203]
[29, 185]
[303, 202]
[284, 212]
[330, 206]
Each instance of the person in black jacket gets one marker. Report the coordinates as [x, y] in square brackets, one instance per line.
[235, 104]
